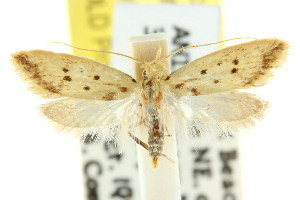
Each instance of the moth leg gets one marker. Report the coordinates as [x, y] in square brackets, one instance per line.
[170, 159]
[138, 141]
[146, 146]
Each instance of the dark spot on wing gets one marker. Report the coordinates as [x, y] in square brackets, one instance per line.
[179, 86]
[203, 71]
[271, 56]
[133, 80]
[109, 96]
[261, 72]
[149, 83]
[67, 78]
[191, 79]
[216, 81]
[195, 92]
[219, 63]
[268, 60]
[249, 82]
[86, 88]
[23, 59]
[96, 77]
[168, 77]
[235, 61]
[51, 88]
[33, 71]
[109, 84]
[65, 70]
[123, 89]
[234, 70]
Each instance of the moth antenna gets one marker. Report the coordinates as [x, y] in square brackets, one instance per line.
[201, 45]
[98, 51]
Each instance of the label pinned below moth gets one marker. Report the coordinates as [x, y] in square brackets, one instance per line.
[198, 98]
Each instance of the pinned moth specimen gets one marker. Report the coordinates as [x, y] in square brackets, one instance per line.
[89, 97]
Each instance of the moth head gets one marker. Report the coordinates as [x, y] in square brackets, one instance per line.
[158, 68]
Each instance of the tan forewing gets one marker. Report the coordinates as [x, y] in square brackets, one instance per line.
[236, 67]
[55, 75]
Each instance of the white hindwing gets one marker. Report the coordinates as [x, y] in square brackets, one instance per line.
[219, 113]
[109, 120]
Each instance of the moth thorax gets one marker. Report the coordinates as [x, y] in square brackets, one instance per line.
[152, 90]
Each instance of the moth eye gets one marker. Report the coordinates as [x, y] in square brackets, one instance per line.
[144, 74]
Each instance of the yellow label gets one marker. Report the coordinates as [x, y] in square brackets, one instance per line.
[91, 24]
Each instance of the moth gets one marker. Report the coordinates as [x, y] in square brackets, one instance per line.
[88, 97]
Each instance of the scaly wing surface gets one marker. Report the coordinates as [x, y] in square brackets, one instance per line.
[109, 120]
[55, 75]
[90, 97]
[200, 96]
[236, 67]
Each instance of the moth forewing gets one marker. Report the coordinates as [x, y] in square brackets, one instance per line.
[237, 67]
[55, 75]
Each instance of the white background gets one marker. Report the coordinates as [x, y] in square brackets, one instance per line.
[37, 163]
